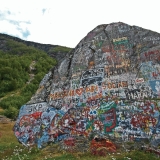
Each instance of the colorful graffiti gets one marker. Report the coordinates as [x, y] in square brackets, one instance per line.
[112, 87]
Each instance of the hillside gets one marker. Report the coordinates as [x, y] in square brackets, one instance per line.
[22, 66]
[55, 51]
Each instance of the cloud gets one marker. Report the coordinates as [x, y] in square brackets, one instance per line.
[10, 27]
[44, 10]
[4, 14]
[15, 28]
[12, 23]
[24, 32]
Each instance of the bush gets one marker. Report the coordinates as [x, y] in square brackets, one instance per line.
[11, 112]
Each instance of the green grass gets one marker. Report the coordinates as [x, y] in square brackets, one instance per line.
[60, 49]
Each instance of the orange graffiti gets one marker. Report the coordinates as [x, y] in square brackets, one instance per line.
[70, 93]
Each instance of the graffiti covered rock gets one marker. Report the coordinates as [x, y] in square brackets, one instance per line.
[108, 85]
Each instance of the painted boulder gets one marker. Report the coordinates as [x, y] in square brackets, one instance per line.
[108, 85]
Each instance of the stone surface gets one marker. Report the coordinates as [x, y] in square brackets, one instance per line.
[109, 85]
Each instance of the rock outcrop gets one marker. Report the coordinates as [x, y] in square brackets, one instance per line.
[109, 84]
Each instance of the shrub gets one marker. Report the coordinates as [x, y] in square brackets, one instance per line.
[11, 112]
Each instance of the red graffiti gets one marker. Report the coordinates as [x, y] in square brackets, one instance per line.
[69, 141]
[27, 119]
[101, 146]
[154, 74]
[155, 55]
[156, 52]
[139, 80]
[36, 115]
[147, 108]
[143, 121]
[79, 91]
[109, 120]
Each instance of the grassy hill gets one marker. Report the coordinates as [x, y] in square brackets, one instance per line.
[22, 67]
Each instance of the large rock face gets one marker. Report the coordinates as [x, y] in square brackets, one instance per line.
[108, 84]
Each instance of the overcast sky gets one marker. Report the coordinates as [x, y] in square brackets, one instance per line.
[66, 22]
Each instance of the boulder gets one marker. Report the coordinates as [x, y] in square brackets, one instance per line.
[109, 84]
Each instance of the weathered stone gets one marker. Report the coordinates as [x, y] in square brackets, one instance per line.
[108, 85]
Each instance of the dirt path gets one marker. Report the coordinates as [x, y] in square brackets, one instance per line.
[32, 69]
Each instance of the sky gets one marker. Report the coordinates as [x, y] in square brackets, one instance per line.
[66, 22]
